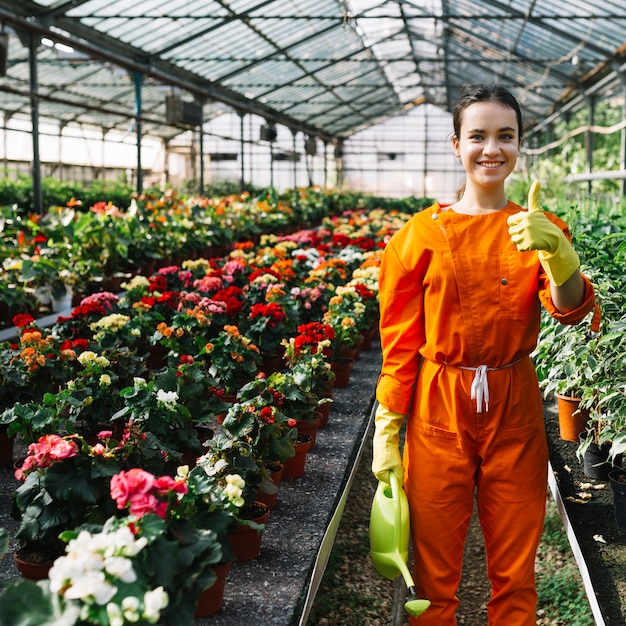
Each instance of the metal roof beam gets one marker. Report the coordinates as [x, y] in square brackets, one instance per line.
[107, 49]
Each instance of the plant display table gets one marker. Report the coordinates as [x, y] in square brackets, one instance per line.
[598, 543]
[278, 587]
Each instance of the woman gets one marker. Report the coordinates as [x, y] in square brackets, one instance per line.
[461, 290]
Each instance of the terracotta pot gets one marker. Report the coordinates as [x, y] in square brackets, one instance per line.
[246, 541]
[305, 427]
[211, 599]
[270, 499]
[342, 370]
[324, 411]
[368, 336]
[6, 450]
[32, 568]
[572, 421]
[294, 467]
[269, 365]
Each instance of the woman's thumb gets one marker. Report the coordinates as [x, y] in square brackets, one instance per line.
[533, 196]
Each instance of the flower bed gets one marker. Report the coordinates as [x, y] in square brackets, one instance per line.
[164, 354]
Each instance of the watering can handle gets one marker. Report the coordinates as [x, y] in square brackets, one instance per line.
[395, 494]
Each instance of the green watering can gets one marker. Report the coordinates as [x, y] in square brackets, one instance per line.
[389, 539]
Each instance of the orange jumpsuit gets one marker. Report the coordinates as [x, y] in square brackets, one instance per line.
[460, 308]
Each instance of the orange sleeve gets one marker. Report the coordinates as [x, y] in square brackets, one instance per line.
[401, 330]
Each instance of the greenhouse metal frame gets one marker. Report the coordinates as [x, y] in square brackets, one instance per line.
[313, 75]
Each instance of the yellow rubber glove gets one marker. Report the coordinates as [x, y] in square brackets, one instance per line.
[387, 444]
[532, 230]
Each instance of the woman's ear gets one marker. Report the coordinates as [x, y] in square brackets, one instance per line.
[455, 146]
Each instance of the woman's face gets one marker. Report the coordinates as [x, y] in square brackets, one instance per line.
[488, 144]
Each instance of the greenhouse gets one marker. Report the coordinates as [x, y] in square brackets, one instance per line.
[195, 203]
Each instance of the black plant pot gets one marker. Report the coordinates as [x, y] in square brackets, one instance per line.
[596, 462]
[619, 495]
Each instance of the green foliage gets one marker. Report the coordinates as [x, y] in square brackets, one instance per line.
[55, 192]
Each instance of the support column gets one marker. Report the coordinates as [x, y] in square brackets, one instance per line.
[242, 151]
[138, 131]
[589, 139]
[34, 114]
[295, 163]
[622, 151]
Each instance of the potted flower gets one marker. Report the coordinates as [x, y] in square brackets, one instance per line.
[115, 573]
[232, 359]
[155, 408]
[310, 368]
[266, 328]
[38, 361]
[65, 483]
[258, 416]
[346, 314]
[228, 455]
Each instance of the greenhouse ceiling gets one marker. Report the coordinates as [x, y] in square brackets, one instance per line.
[327, 68]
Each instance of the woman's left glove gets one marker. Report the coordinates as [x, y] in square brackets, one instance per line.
[386, 444]
[532, 230]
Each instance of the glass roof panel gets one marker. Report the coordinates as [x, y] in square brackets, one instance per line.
[283, 58]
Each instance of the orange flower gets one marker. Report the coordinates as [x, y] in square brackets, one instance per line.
[164, 329]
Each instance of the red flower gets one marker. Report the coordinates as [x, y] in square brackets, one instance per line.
[273, 310]
[232, 297]
[72, 344]
[158, 282]
[23, 319]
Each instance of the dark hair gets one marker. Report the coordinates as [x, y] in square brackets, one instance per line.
[471, 94]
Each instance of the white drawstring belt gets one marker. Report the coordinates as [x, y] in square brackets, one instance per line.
[480, 385]
[480, 388]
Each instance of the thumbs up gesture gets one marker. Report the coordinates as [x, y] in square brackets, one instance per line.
[532, 230]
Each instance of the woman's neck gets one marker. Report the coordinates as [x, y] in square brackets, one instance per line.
[480, 204]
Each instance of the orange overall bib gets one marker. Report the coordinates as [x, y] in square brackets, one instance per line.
[460, 315]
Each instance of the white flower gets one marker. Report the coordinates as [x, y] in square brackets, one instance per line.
[236, 480]
[91, 585]
[122, 568]
[137, 282]
[114, 613]
[168, 399]
[105, 380]
[102, 361]
[130, 608]
[154, 601]
[300, 378]
[138, 382]
[86, 357]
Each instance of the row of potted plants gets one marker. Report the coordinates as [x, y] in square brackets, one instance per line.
[89, 248]
[585, 367]
[125, 406]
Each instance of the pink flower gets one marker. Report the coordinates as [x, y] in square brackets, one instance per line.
[132, 487]
[47, 450]
[165, 484]
[143, 503]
